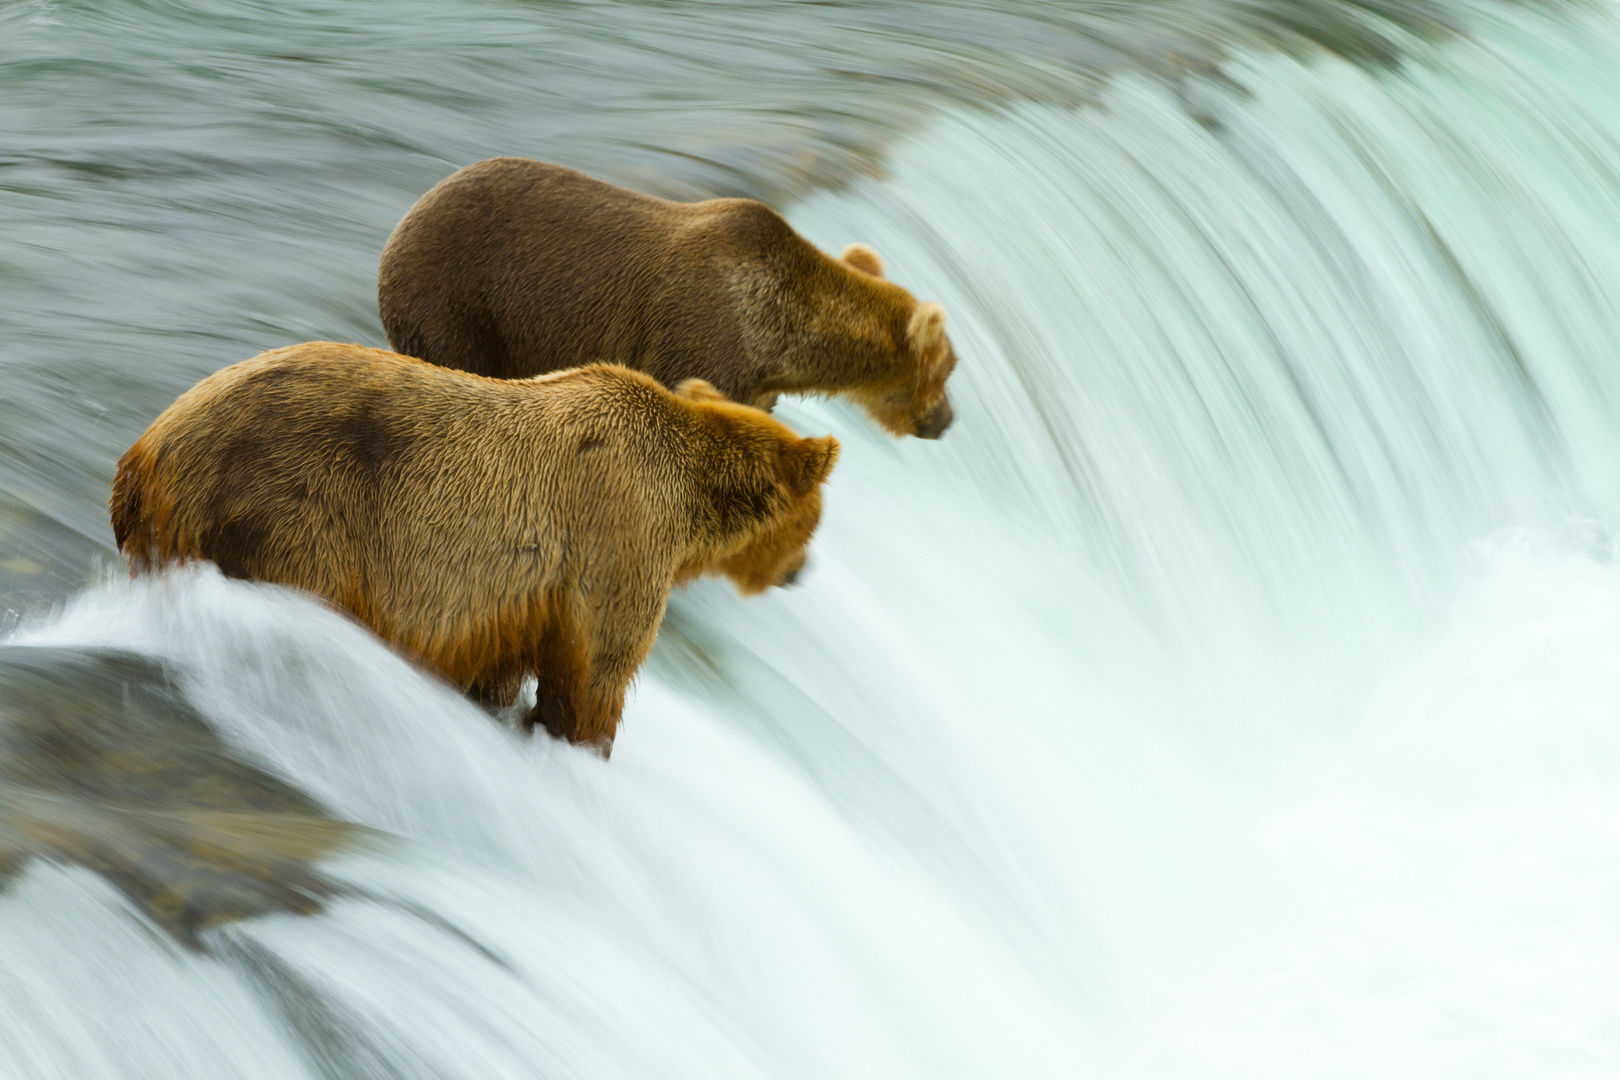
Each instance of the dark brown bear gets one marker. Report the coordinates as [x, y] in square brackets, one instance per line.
[513, 267]
[488, 529]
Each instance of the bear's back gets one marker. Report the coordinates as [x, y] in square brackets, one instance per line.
[381, 482]
[512, 267]
[462, 269]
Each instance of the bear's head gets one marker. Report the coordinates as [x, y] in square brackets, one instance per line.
[910, 398]
[764, 485]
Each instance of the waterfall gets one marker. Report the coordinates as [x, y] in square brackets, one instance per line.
[1231, 692]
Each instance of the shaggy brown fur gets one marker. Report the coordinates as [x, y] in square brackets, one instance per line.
[513, 267]
[488, 529]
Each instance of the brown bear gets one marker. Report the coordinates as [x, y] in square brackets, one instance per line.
[512, 267]
[488, 529]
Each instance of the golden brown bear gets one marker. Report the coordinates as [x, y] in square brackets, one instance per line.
[513, 267]
[488, 529]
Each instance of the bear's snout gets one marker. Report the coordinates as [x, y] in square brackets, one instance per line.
[791, 577]
[938, 419]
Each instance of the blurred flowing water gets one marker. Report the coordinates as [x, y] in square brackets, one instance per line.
[1235, 691]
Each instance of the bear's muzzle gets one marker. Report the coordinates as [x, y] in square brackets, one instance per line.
[938, 419]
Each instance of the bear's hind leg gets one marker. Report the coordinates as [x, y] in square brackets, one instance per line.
[493, 693]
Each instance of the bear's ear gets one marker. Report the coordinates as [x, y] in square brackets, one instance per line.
[926, 330]
[699, 390]
[863, 259]
[806, 463]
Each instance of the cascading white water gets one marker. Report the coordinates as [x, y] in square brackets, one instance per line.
[1231, 693]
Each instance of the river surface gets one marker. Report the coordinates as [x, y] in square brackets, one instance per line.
[1234, 692]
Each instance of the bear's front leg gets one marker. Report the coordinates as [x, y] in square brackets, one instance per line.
[614, 663]
[585, 664]
[560, 661]
[553, 708]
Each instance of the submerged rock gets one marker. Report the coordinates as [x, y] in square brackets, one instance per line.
[104, 764]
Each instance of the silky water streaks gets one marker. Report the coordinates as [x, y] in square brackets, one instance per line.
[1230, 693]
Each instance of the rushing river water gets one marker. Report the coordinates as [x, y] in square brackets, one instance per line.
[1233, 692]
